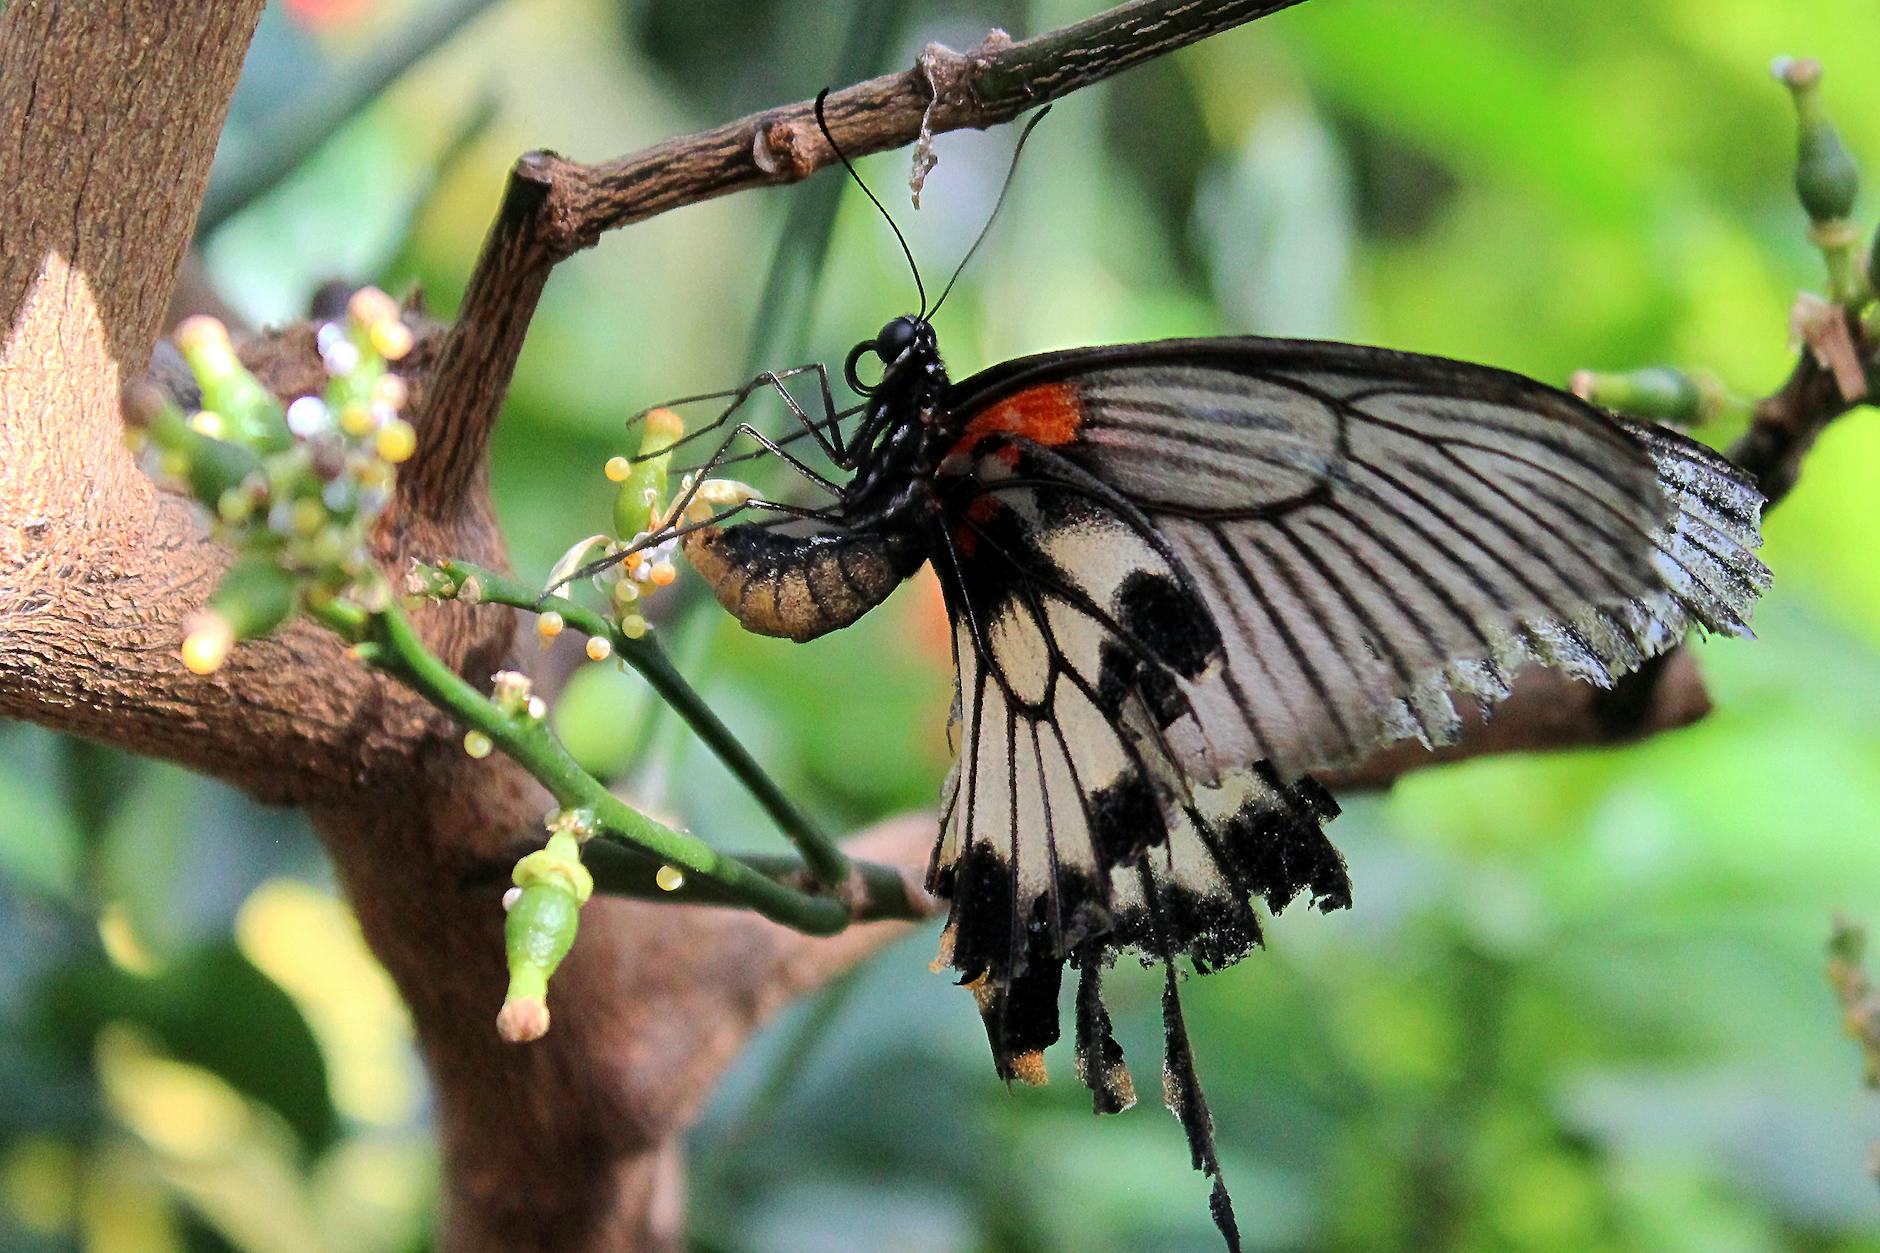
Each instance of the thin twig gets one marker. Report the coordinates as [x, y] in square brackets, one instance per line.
[1786, 423]
[821, 854]
[554, 207]
[396, 649]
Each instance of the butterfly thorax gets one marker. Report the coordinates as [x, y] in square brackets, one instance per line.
[893, 449]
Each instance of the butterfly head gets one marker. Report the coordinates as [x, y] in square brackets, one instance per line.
[905, 346]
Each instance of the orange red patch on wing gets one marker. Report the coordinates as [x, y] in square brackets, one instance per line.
[981, 511]
[1048, 413]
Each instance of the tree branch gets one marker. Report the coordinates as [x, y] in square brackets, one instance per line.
[554, 207]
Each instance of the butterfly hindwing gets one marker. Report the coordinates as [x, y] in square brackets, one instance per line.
[1073, 632]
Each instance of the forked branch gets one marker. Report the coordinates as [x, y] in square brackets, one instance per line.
[554, 207]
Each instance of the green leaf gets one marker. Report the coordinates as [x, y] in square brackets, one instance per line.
[210, 1009]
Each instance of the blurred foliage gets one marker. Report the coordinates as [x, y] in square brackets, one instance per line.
[1580, 1001]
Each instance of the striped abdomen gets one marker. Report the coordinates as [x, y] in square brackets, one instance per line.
[800, 586]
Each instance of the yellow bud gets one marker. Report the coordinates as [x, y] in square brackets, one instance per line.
[633, 626]
[664, 573]
[374, 473]
[617, 469]
[662, 427]
[626, 591]
[234, 505]
[200, 332]
[397, 440]
[599, 648]
[308, 517]
[669, 878]
[207, 422]
[392, 339]
[357, 421]
[207, 644]
[477, 744]
[549, 625]
[391, 391]
[174, 464]
[371, 307]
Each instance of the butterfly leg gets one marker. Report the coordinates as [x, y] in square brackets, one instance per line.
[826, 430]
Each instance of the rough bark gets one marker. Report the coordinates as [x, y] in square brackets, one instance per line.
[563, 1145]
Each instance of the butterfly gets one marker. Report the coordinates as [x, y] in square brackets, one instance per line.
[1182, 577]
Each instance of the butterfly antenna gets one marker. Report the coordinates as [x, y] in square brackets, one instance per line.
[996, 205]
[822, 123]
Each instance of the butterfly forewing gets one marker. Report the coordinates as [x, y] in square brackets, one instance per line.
[1372, 532]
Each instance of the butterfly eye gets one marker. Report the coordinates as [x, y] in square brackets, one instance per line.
[895, 338]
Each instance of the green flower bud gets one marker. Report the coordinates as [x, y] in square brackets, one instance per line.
[643, 480]
[250, 412]
[211, 467]
[544, 916]
[558, 863]
[1826, 178]
[255, 595]
[1659, 393]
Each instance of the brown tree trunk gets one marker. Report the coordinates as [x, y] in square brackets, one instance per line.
[114, 109]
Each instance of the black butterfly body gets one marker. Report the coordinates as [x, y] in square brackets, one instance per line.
[1181, 576]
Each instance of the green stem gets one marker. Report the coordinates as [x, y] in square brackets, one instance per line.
[877, 892]
[401, 653]
[825, 859]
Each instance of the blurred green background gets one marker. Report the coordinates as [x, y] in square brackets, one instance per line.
[1580, 1002]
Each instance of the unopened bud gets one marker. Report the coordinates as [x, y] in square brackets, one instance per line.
[539, 930]
[1826, 178]
[1657, 393]
[509, 691]
[206, 643]
[249, 412]
[396, 441]
[254, 596]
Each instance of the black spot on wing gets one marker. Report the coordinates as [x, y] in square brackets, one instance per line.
[982, 942]
[1122, 674]
[1170, 619]
[1021, 1016]
[1125, 818]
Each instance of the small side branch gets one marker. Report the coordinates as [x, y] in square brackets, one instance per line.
[825, 861]
[1786, 423]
